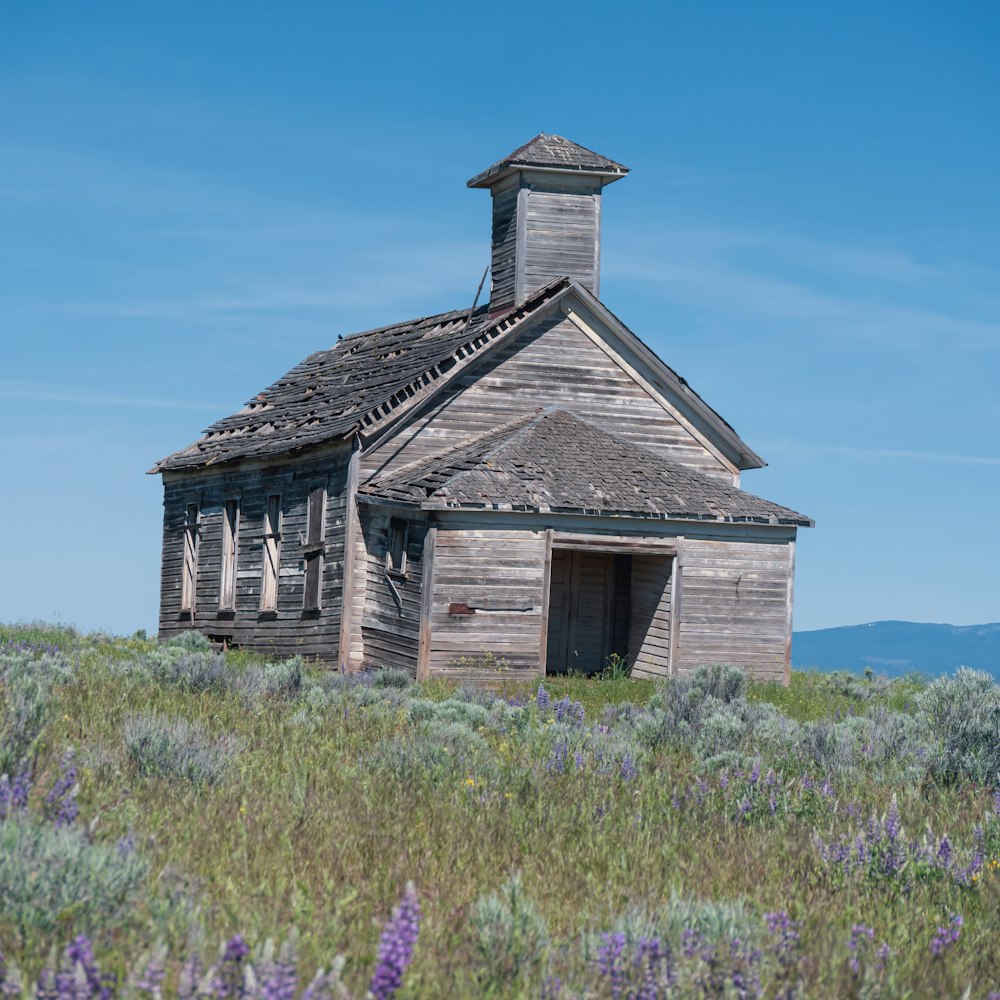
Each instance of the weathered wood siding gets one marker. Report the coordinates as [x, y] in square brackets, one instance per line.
[503, 266]
[562, 237]
[290, 628]
[649, 622]
[387, 607]
[553, 363]
[735, 605]
[500, 573]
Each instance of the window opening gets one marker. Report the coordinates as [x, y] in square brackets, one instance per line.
[230, 541]
[272, 553]
[189, 578]
[395, 557]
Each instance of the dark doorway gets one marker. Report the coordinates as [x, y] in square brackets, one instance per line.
[589, 610]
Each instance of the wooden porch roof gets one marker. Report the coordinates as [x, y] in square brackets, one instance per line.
[552, 461]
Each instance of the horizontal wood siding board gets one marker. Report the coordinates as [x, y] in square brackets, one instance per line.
[734, 605]
[515, 636]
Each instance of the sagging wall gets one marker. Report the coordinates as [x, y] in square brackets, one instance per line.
[289, 629]
[498, 575]
[736, 606]
[387, 606]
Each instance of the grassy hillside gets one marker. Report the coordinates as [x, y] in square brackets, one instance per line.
[585, 838]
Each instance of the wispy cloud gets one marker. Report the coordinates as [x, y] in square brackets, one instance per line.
[881, 296]
[851, 452]
[48, 392]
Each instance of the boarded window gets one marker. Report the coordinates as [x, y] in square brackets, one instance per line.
[313, 550]
[189, 579]
[230, 541]
[272, 553]
[395, 557]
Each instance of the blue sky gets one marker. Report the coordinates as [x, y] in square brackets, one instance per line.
[195, 196]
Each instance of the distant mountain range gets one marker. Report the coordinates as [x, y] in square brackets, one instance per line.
[897, 648]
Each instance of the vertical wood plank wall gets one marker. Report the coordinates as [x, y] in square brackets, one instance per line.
[649, 623]
[290, 629]
[735, 606]
[503, 569]
[504, 253]
[555, 363]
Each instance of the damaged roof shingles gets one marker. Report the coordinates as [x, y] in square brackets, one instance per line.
[553, 460]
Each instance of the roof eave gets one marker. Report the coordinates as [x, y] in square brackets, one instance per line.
[499, 171]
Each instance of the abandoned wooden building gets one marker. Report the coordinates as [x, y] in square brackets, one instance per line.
[524, 485]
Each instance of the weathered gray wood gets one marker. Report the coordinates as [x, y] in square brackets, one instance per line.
[426, 604]
[350, 548]
[789, 604]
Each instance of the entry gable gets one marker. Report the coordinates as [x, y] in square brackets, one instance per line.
[672, 391]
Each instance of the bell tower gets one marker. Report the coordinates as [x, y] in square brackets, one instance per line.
[546, 216]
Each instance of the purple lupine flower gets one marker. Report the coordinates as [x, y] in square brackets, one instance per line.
[60, 803]
[944, 852]
[946, 936]
[628, 770]
[78, 977]
[551, 988]
[892, 823]
[745, 807]
[652, 961]
[785, 931]
[395, 948]
[279, 981]
[557, 759]
[542, 699]
[151, 979]
[609, 964]
[691, 941]
[858, 933]
[187, 984]
[755, 772]
[772, 804]
[230, 976]
[579, 761]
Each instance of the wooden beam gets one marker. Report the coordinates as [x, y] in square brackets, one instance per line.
[426, 605]
[546, 587]
[350, 531]
[788, 624]
[676, 590]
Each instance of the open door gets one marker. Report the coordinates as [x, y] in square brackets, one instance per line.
[588, 610]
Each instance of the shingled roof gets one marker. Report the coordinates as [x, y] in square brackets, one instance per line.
[553, 461]
[327, 396]
[550, 152]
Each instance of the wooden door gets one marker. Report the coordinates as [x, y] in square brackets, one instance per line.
[581, 597]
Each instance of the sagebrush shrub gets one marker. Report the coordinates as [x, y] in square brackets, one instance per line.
[27, 679]
[53, 878]
[964, 715]
[511, 939]
[173, 747]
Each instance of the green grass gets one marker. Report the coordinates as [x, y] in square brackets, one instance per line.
[307, 830]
